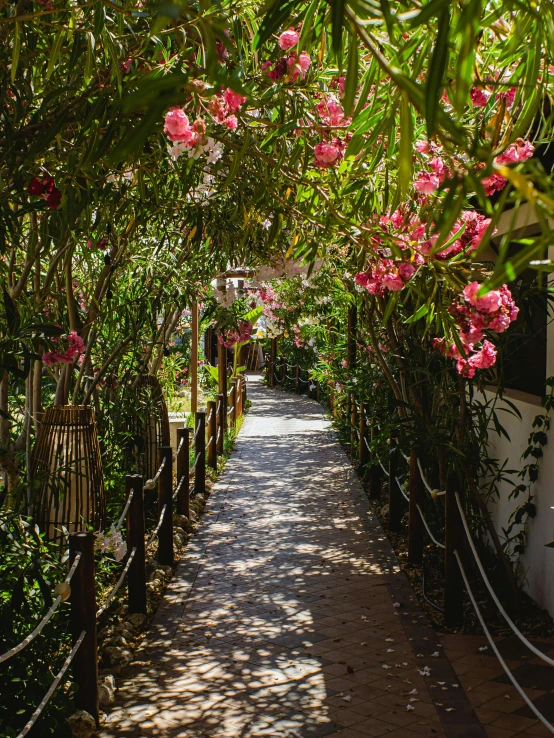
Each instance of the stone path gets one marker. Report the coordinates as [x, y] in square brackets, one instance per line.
[289, 615]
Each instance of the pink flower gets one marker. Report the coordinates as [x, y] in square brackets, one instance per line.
[298, 66]
[327, 154]
[422, 147]
[288, 39]
[479, 97]
[509, 96]
[177, 126]
[406, 271]
[231, 122]
[464, 368]
[489, 303]
[493, 184]
[330, 112]
[439, 167]
[233, 100]
[426, 183]
[344, 364]
[275, 70]
[485, 358]
[392, 282]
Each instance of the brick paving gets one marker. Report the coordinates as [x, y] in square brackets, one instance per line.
[289, 615]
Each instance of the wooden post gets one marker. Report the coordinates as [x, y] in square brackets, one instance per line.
[208, 345]
[183, 472]
[136, 590]
[353, 424]
[212, 434]
[454, 541]
[240, 384]
[318, 392]
[375, 474]
[351, 337]
[273, 361]
[415, 525]
[395, 495]
[244, 395]
[200, 453]
[165, 498]
[297, 383]
[83, 618]
[194, 359]
[222, 379]
[363, 450]
[220, 409]
[283, 371]
[233, 404]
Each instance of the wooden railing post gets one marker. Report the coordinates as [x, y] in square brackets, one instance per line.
[83, 617]
[183, 472]
[318, 392]
[220, 409]
[297, 377]
[165, 498]
[283, 371]
[212, 434]
[244, 395]
[222, 379]
[454, 541]
[353, 423]
[395, 495]
[200, 453]
[136, 591]
[375, 474]
[233, 404]
[415, 524]
[240, 382]
[272, 362]
[363, 452]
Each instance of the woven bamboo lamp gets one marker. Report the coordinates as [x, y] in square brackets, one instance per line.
[68, 466]
[151, 424]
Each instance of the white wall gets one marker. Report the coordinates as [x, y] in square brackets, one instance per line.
[537, 561]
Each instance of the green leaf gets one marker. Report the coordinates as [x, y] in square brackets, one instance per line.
[419, 313]
[55, 52]
[507, 271]
[277, 13]
[337, 19]
[405, 154]
[16, 51]
[351, 74]
[437, 69]
[307, 25]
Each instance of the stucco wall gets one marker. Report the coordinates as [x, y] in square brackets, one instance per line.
[537, 561]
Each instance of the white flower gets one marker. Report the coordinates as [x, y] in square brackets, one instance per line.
[216, 151]
[177, 150]
[410, 707]
[266, 224]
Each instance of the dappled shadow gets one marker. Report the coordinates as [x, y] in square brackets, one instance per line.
[282, 624]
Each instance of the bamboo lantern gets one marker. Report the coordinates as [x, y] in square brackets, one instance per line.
[67, 465]
[151, 424]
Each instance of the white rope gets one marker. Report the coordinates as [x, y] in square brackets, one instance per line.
[210, 439]
[433, 492]
[179, 447]
[509, 674]
[381, 465]
[125, 510]
[197, 431]
[53, 686]
[118, 584]
[151, 483]
[218, 407]
[210, 416]
[492, 593]
[40, 627]
[366, 444]
[406, 458]
[357, 433]
[431, 536]
[195, 461]
[404, 495]
[218, 434]
[178, 488]
[157, 528]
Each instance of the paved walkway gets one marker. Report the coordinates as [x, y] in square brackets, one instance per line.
[289, 615]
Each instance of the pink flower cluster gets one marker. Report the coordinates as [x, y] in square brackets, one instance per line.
[178, 129]
[288, 68]
[46, 188]
[233, 336]
[386, 275]
[76, 348]
[519, 151]
[474, 315]
[299, 342]
[223, 108]
[427, 182]
[328, 153]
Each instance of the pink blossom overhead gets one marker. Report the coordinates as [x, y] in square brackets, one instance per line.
[75, 349]
[233, 336]
[426, 183]
[233, 99]
[177, 126]
[298, 66]
[326, 154]
[288, 39]
[479, 97]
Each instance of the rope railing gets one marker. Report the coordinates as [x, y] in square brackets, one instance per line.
[210, 440]
[428, 529]
[59, 676]
[40, 627]
[123, 515]
[158, 526]
[433, 492]
[178, 488]
[193, 467]
[218, 434]
[117, 585]
[179, 447]
[401, 488]
[492, 593]
[197, 431]
[151, 483]
[497, 653]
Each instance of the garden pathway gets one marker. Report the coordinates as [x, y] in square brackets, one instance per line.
[289, 615]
